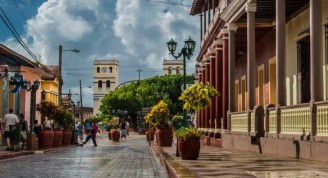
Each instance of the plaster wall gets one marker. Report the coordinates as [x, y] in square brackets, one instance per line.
[300, 25]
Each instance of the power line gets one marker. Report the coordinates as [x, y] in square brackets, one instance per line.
[17, 6]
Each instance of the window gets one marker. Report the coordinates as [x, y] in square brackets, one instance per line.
[107, 84]
[98, 69]
[169, 70]
[178, 70]
[110, 69]
[99, 84]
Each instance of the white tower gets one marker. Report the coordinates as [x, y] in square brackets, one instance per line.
[105, 79]
[172, 67]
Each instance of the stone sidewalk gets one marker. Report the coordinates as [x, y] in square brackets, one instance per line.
[220, 162]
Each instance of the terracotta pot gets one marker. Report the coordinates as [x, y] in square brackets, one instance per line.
[189, 148]
[46, 138]
[67, 136]
[116, 135]
[164, 136]
[152, 136]
[58, 137]
[109, 135]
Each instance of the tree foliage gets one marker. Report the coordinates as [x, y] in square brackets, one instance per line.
[145, 93]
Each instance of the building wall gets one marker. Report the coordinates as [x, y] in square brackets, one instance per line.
[51, 88]
[294, 28]
[265, 50]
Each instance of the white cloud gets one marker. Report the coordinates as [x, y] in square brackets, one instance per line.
[133, 31]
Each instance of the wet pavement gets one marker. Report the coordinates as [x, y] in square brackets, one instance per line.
[219, 162]
[131, 158]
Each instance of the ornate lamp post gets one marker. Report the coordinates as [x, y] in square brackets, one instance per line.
[186, 52]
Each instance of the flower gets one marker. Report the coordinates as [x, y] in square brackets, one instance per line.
[114, 122]
[159, 115]
[189, 132]
[198, 96]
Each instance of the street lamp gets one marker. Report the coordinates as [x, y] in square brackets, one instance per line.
[186, 52]
[60, 71]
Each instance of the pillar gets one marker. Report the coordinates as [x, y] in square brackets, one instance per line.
[207, 79]
[218, 84]
[281, 52]
[316, 48]
[212, 82]
[250, 9]
[231, 66]
[225, 61]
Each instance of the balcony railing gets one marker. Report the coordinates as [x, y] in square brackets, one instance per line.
[239, 122]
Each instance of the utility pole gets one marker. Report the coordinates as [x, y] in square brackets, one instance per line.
[139, 121]
[60, 76]
[139, 70]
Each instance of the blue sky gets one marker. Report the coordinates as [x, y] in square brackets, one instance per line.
[133, 31]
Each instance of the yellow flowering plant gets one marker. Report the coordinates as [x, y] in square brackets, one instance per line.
[159, 115]
[198, 96]
[114, 123]
[189, 132]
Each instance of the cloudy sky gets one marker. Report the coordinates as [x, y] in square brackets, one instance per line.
[133, 31]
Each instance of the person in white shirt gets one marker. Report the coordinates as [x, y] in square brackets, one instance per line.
[9, 119]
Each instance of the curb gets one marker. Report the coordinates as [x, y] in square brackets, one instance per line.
[13, 154]
[172, 165]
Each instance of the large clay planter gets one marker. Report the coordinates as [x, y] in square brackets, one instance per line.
[164, 136]
[67, 136]
[115, 135]
[46, 138]
[152, 136]
[58, 137]
[109, 135]
[189, 148]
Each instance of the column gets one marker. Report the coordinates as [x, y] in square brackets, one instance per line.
[280, 53]
[203, 80]
[212, 82]
[207, 79]
[199, 113]
[204, 19]
[209, 11]
[231, 65]
[225, 61]
[250, 9]
[201, 25]
[219, 83]
[316, 48]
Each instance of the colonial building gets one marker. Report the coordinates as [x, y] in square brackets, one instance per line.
[105, 79]
[268, 59]
[172, 67]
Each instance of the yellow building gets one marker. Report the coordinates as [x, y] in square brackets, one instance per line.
[50, 86]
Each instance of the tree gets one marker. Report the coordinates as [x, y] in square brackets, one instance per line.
[146, 93]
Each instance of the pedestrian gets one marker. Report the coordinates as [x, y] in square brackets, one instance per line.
[96, 129]
[127, 127]
[24, 127]
[123, 130]
[79, 129]
[91, 135]
[37, 128]
[8, 120]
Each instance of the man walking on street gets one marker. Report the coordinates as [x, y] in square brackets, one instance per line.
[91, 136]
[9, 119]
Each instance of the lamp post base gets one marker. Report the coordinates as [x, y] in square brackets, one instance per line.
[31, 143]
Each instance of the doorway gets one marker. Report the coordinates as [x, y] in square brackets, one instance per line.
[303, 70]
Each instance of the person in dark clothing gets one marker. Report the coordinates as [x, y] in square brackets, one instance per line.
[91, 136]
[24, 128]
[123, 130]
[37, 128]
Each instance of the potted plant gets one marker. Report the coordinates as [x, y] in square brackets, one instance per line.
[58, 133]
[158, 117]
[188, 143]
[66, 121]
[115, 134]
[196, 97]
[47, 109]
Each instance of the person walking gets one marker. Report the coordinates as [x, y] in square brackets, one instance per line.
[123, 130]
[24, 127]
[8, 120]
[37, 128]
[79, 129]
[127, 127]
[96, 129]
[91, 135]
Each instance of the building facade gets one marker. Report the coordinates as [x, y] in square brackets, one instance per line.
[268, 60]
[172, 67]
[105, 79]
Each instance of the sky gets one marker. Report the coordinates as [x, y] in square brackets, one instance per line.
[134, 32]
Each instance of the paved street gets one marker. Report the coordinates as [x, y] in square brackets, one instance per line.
[131, 158]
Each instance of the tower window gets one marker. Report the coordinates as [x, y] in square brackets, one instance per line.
[170, 70]
[110, 69]
[99, 84]
[98, 69]
[107, 84]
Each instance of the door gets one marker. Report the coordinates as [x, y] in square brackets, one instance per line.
[303, 65]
